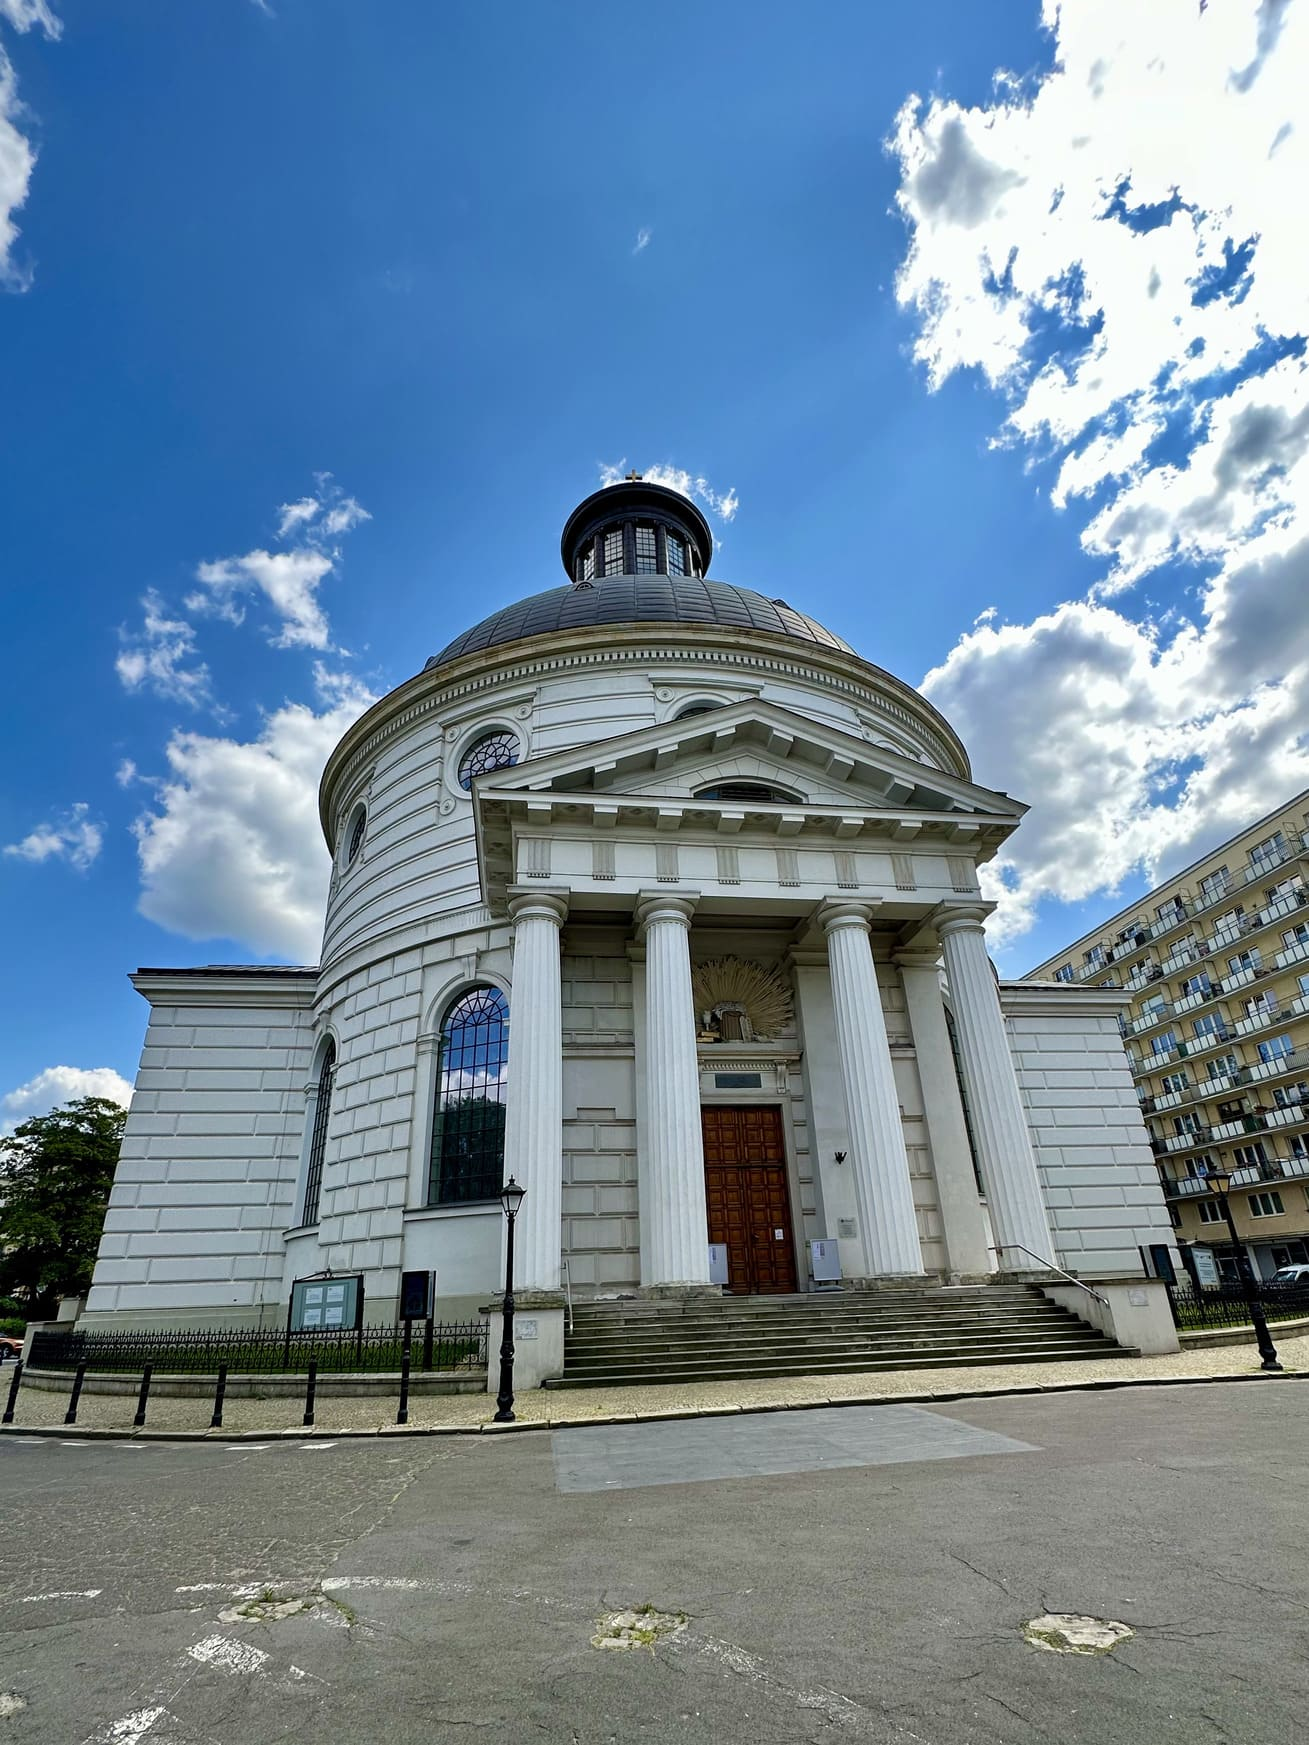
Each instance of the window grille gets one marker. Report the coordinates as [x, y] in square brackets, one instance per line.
[676, 555]
[468, 1128]
[318, 1139]
[647, 552]
[492, 751]
[614, 552]
[356, 836]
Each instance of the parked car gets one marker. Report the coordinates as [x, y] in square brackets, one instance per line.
[10, 1347]
[1290, 1278]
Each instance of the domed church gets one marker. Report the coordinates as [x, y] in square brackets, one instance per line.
[653, 893]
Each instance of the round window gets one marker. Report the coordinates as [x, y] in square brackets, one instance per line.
[491, 751]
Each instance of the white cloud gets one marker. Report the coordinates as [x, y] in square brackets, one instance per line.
[723, 504]
[232, 848]
[126, 773]
[74, 836]
[1127, 279]
[62, 1084]
[160, 657]
[17, 157]
[643, 236]
[287, 580]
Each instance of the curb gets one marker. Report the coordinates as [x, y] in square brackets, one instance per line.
[93, 1433]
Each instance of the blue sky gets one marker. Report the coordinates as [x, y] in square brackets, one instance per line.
[382, 266]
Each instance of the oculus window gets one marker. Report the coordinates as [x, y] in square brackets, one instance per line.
[492, 751]
[468, 1127]
[356, 841]
[745, 792]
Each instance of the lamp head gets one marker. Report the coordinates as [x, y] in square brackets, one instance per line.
[511, 1197]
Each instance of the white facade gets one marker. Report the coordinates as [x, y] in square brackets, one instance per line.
[591, 882]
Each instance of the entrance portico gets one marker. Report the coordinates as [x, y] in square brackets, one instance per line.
[790, 886]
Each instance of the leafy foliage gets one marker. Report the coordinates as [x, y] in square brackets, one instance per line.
[55, 1174]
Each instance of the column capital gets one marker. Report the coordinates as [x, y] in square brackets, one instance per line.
[835, 912]
[529, 903]
[668, 906]
[961, 917]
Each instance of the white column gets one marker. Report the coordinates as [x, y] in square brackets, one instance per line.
[1004, 1145]
[943, 1110]
[535, 1113]
[878, 1159]
[674, 1220]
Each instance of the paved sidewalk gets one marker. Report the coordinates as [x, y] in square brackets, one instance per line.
[469, 1412]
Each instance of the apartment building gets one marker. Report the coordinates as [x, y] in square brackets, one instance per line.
[1217, 965]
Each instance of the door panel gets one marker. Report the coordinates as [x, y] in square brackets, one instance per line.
[747, 1197]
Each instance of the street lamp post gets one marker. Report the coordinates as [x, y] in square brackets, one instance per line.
[1220, 1180]
[511, 1198]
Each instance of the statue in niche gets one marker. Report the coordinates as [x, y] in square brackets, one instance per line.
[737, 1000]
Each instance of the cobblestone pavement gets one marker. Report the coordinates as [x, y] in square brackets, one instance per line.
[37, 1408]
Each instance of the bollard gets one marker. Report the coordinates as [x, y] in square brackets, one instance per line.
[309, 1392]
[427, 1344]
[13, 1393]
[70, 1416]
[142, 1397]
[402, 1416]
[216, 1422]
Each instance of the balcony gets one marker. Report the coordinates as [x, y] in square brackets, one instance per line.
[1295, 1060]
[1277, 1169]
[1189, 1002]
[1253, 874]
[1241, 978]
[1195, 1140]
[1156, 1015]
[1268, 1014]
[1143, 978]
[1293, 954]
[1228, 936]
[1299, 1006]
[1183, 1187]
[1240, 1127]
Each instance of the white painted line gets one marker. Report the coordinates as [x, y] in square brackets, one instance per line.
[314, 1447]
[335, 1583]
[131, 1728]
[79, 1593]
[222, 1651]
[248, 1447]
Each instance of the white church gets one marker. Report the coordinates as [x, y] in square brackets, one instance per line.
[652, 892]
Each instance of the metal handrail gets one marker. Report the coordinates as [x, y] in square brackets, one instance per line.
[1000, 1248]
[568, 1289]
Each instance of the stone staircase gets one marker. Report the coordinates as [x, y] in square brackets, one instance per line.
[635, 1342]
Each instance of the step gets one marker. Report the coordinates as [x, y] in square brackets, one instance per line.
[821, 1356]
[1090, 1349]
[661, 1340]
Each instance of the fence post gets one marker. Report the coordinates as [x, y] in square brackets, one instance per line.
[427, 1344]
[142, 1397]
[70, 1416]
[309, 1392]
[402, 1416]
[13, 1393]
[216, 1422]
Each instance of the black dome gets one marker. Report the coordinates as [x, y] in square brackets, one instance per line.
[645, 599]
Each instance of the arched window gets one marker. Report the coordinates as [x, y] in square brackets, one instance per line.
[468, 1127]
[704, 707]
[492, 751]
[318, 1141]
[356, 836]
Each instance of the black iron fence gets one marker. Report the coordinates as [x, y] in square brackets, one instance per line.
[1225, 1305]
[436, 1345]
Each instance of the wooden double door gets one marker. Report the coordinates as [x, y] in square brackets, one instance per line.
[748, 1201]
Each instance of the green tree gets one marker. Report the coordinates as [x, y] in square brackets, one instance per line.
[55, 1174]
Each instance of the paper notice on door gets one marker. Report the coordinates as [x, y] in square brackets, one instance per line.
[778, 1236]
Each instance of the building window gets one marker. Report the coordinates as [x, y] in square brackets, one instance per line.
[492, 751]
[1196, 985]
[318, 1139]
[1216, 885]
[1166, 1043]
[1208, 1211]
[1265, 1205]
[1095, 956]
[1173, 1082]
[1245, 960]
[1212, 1024]
[1270, 852]
[1298, 935]
[697, 709]
[1222, 1066]
[614, 551]
[748, 791]
[676, 547]
[1064, 973]
[1250, 1156]
[468, 1127]
[588, 562]
[1277, 1049]
[647, 552]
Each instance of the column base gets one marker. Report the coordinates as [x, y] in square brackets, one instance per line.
[679, 1293]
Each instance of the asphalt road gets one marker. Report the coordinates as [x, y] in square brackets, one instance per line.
[449, 1589]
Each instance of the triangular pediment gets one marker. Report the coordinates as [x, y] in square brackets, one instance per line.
[809, 763]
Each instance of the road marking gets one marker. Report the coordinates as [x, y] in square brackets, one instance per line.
[131, 1728]
[314, 1447]
[248, 1447]
[80, 1593]
[203, 1587]
[239, 1657]
[335, 1583]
